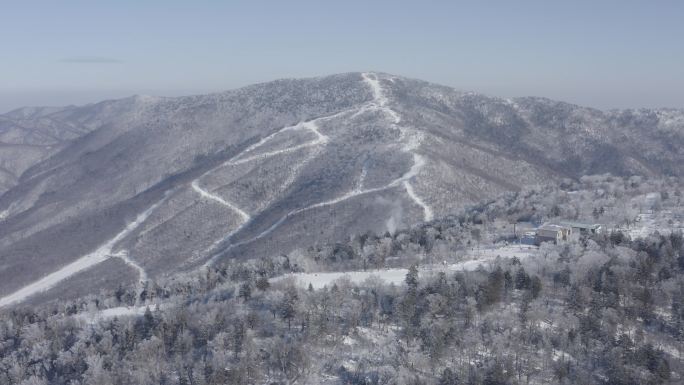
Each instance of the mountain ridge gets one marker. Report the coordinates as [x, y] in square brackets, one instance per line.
[303, 161]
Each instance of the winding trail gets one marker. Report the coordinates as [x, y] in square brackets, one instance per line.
[206, 194]
[320, 140]
[352, 194]
[142, 274]
[413, 141]
[379, 102]
[427, 211]
[105, 251]
[311, 126]
[101, 254]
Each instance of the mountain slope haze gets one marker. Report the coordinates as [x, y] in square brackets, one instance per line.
[128, 190]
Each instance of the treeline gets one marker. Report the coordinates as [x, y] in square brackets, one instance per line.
[609, 311]
[603, 310]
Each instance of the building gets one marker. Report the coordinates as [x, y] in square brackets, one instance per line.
[528, 238]
[551, 232]
[581, 228]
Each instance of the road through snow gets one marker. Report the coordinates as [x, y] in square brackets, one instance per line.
[398, 275]
[101, 254]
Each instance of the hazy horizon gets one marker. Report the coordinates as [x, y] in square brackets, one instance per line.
[608, 55]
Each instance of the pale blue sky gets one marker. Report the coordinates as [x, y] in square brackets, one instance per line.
[606, 54]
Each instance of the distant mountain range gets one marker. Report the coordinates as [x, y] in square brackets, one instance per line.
[145, 187]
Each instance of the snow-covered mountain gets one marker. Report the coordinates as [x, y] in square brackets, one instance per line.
[134, 189]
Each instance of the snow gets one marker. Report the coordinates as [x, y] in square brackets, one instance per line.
[413, 141]
[362, 178]
[93, 317]
[671, 350]
[321, 280]
[101, 254]
[321, 139]
[380, 102]
[310, 125]
[427, 211]
[562, 356]
[650, 219]
[123, 254]
[397, 275]
[4, 214]
[349, 195]
[142, 274]
[206, 194]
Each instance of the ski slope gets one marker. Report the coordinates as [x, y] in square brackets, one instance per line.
[320, 140]
[311, 126]
[123, 255]
[413, 140]
[101, 254]
[347, 196]
[206, 194]
[427, 211]
[379, 102]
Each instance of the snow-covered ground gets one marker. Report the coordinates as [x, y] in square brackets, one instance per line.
[427, 211]
[349, 195]
[380, 102]
[208, 195]
[101, 254]
[320, 140]
[651, 219]
[397, 275]
[311, 125]
[128, 311]
[142, 274]
[413, 140]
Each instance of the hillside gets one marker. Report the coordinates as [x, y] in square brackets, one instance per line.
[466, 308]
[146, 187]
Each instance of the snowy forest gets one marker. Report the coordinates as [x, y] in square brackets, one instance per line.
[602, 309]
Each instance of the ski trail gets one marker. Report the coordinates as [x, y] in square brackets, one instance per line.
[418, 162]
[310, 125]
[274, 226]
[206, 194]
[99, 255]
[273, 153]
[142, 274]
[379, 96]
[123, 255]
[362, 178]
[413, 140]
[321, 139]
[380, 102]
[237, 160]
[427, 211]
